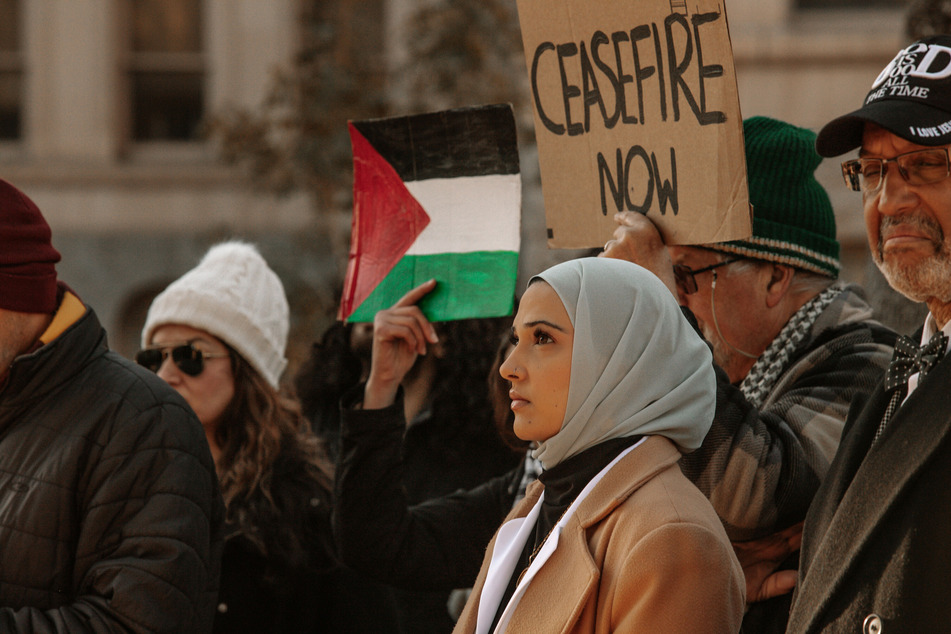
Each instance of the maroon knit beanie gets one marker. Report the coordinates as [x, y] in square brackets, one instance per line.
[27, 256]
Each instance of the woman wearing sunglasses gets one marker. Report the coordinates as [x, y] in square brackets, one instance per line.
[217, 335]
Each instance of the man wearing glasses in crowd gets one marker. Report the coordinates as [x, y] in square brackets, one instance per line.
[792, 345]
[874, 551]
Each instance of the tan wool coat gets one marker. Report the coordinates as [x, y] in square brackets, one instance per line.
[644, 552]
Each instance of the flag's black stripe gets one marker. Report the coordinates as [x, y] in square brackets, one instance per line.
[475, 141]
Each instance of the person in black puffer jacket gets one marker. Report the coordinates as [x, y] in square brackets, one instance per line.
[110, 517]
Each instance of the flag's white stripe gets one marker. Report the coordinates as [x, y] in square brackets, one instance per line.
[470, 213]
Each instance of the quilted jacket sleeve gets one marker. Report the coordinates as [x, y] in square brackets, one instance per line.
[148, 544]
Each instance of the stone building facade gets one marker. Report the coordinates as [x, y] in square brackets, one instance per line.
[100, 99]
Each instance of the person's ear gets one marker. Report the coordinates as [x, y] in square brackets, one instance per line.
[777, 286]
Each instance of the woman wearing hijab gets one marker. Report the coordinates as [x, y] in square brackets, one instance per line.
[613, 384]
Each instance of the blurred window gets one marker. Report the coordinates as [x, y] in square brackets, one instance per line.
[11, 70]
[166, 70]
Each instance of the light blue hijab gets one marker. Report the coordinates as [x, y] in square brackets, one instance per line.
[637, 366]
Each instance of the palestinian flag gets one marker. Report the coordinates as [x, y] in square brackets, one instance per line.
[436, 195]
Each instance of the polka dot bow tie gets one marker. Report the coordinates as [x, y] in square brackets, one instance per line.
[909, 358]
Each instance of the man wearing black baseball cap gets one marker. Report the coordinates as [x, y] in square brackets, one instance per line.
[874, 554]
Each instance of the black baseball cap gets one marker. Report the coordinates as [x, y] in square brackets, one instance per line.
[910, 98]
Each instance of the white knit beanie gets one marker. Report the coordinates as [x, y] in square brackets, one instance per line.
[233, 295]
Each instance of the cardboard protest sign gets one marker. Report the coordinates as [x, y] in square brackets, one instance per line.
[636, 109]
[436, 195]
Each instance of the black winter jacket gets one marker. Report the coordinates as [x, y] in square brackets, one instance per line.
[874, 545]
[381, 534]
[296, 588]
[110, 513]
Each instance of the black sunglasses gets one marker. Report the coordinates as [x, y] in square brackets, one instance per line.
[684, 275]
[186, 357]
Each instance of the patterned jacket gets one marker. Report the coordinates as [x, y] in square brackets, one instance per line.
[761, 467]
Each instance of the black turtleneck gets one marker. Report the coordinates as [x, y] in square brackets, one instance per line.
[563, 482]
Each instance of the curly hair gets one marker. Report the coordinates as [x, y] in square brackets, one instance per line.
[330, 370]
[263, 431]
[459, 393]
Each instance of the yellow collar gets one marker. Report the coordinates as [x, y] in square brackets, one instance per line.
[68, 313]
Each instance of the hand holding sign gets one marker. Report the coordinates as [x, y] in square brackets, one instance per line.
[637, 240]
[400, 334]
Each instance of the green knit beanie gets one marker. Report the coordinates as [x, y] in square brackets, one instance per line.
[793, 222]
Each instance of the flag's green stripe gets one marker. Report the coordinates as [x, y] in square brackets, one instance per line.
[478, 284]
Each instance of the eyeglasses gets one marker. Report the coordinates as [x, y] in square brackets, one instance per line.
[186, 357]
[920, 167]
[684, 275]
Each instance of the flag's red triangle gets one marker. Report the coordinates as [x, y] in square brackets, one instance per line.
[386, 222]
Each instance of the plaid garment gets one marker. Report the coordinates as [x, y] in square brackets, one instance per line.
[761, 467]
